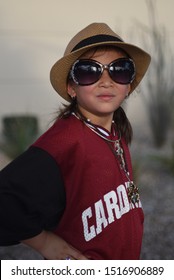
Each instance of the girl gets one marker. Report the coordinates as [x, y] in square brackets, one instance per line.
[71, 194]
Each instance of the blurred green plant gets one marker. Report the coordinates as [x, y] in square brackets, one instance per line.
[18, 133]
[136, 166]
[159, 100]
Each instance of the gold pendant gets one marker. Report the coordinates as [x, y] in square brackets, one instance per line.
[133, 193]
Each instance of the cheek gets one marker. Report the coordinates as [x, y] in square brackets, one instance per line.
[86, 97]
[83, 92]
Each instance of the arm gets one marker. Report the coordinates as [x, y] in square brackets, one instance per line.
[32, 196]
[32, 201]
[52, 247]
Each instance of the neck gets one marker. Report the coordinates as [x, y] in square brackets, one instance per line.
[104, 121]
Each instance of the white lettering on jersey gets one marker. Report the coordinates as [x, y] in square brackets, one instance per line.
[123, 200]
[89, 232]
[100, 216]
[113, 205]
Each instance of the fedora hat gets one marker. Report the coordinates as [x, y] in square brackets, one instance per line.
[95, 34]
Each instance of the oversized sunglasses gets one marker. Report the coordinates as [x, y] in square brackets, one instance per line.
[87, 71]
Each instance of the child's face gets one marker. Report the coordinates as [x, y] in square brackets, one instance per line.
[103, 97]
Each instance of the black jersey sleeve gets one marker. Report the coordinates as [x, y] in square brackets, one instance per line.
[32, 196]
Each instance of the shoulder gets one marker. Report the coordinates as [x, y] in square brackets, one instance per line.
[63, 133]
[60, 127]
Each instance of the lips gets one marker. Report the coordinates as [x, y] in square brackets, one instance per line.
[105, 96]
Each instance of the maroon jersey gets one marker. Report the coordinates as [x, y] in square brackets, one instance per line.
[99, 219]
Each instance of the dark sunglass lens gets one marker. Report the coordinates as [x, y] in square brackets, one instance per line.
[122, 71]
[86, 72]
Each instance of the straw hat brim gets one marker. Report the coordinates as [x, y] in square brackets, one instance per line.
[60, 70]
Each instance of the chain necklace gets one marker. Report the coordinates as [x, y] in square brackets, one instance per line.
[132, 190]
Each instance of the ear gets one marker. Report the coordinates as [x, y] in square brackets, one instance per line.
[128, 90]
[71, 90]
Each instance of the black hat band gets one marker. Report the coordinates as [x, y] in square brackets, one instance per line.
[102, 38]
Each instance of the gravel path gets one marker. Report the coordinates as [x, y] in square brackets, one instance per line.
[156, 183]
[157, 195]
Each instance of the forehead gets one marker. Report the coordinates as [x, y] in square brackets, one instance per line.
[101, 50]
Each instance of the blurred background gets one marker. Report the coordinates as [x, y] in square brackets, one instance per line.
[33, 35]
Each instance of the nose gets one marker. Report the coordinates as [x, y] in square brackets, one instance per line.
[105, 77]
